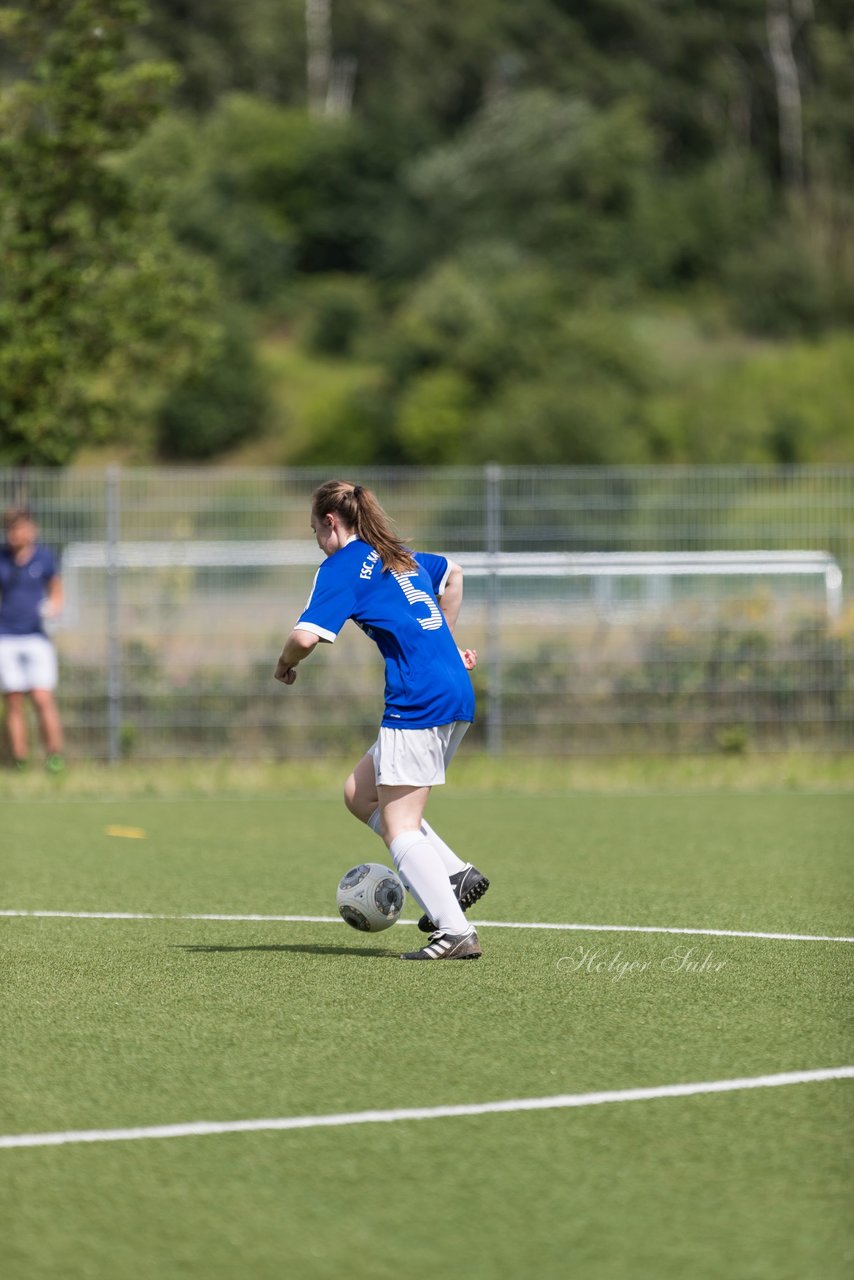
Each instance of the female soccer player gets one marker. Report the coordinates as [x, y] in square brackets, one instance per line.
[408, 604]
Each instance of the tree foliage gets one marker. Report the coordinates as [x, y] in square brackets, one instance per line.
[488, 218]
[94, 288]
[217, 404]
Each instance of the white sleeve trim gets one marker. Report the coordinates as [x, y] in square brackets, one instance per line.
[320, 632]
[445, 576]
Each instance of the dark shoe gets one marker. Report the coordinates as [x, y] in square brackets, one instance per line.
[468, 885]
[21, 764]
[447, 946]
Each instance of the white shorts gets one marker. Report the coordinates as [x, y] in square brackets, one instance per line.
[26, 662]
[416, 757]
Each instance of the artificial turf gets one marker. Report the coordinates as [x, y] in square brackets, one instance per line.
[112, 1023]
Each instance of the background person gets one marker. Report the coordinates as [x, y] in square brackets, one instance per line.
[30, 593]
[394, 596]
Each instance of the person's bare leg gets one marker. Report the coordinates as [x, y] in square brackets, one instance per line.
[402, 809]
[49, 721]
[16, 725]
[360, 789]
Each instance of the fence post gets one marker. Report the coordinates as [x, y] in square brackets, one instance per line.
[114, 651]
[494, 676]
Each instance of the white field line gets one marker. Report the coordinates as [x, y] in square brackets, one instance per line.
[202, 1128]
[486, 924]
[812, 791]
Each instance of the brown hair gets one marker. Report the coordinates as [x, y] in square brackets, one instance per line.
[15, 513]
[360, 511]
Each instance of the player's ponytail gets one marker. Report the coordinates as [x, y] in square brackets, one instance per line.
[360, 511]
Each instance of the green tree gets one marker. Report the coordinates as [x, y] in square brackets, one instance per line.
[94, 290]
[268, 191]
[489, 357]
[435, 417]
[554, 175]
[218, 404]
[256, 46]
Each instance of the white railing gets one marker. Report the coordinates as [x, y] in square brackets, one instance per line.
[603, 566]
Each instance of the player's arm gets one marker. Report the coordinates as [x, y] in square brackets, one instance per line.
[55, 598]
[450, 602]
[451, 599]
[298, 646]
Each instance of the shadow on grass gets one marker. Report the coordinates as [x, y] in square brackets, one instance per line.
[307, 949]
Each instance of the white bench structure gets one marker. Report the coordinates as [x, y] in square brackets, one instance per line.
[656, 569]
[601, 566]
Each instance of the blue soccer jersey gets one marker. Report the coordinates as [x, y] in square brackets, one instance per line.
[22, 589]
[426, 682]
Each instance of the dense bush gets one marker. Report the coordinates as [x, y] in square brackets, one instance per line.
[730, 688]
[779, 285]
[338, 313]
[552, 174]
[217, 406]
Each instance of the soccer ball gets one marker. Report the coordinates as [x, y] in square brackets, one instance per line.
[370, 897]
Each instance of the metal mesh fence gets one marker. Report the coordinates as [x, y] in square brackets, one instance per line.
[607, 605]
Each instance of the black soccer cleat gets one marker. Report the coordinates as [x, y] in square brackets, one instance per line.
[468, 885]
[447, 946]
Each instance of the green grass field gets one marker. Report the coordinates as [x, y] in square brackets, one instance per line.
[113, 1023]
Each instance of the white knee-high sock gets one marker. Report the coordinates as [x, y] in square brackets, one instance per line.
[450, 861]
[375, 823]
[422, 871]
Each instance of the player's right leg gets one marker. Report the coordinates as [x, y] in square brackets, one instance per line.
[14, 684]
[16, 726]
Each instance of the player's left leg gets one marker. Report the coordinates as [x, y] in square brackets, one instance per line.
[469, 884]
[50, 724]
[418, 864]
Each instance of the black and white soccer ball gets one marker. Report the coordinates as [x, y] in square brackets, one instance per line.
[370, 897]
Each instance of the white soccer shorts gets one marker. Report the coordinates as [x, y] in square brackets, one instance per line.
[27, 662]
[416, 757]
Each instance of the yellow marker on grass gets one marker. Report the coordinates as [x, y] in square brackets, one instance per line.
[128, 833]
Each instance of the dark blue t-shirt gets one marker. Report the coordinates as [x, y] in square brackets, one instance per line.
[22, 589]
[426, 682]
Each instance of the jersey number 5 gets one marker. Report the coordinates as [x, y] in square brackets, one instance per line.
[415, 596]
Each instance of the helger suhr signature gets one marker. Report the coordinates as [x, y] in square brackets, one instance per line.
[595, 961]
